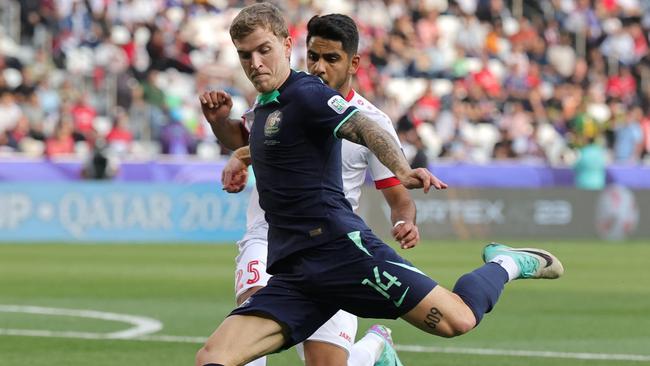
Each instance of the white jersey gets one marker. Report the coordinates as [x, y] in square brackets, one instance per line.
[356, 160]
[256, 225]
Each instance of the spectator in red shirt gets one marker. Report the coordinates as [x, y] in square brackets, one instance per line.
[119, 138]
[486, 79]
[622, 85]
[426, 108]
[62, 141]
[525, 34]
[83, 115]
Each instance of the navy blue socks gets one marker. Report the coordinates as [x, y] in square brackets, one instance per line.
[481, 288]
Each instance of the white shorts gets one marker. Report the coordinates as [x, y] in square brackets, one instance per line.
[340, 331]
[250, 269]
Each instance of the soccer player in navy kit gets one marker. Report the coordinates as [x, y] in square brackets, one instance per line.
[322, 256]
[332, 45]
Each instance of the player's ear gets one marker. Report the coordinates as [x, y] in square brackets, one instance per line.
[288, 44]
[354, 64]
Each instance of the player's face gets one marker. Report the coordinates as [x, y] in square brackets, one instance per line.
[264, 58]
[327, 60]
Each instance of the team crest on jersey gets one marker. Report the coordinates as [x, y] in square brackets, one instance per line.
[338, 104]
[272, 125]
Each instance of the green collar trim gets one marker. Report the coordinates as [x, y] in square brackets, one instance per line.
[269, 97]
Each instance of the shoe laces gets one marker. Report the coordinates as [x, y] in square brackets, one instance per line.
[528, 264]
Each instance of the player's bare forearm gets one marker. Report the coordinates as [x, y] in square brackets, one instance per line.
[402, 207]
[243, 154]
[229, 133]
[362, 130]
[216, 107]
[402, 212]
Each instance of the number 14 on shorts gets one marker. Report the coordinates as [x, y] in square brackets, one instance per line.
[383, 287]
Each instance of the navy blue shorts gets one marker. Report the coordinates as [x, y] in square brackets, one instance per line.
[359, 274]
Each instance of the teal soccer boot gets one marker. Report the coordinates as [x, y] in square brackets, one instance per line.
[532, 262]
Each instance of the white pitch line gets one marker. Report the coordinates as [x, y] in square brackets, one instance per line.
[401, 348]
[141, 325]
[171, 338]
[145, 326]
[51, 334]
[523, 353]
[99, 336]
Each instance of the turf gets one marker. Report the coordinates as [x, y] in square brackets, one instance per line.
[600, 306]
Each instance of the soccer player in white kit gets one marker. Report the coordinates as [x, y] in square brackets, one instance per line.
[332, 43]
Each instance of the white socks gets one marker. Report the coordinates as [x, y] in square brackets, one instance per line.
[366, 351]
[508, 264]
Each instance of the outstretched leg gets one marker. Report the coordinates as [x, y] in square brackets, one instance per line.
[449, 314]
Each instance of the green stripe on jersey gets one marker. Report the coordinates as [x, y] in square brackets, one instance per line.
[355, 236]
[344, 120]
[410, 268]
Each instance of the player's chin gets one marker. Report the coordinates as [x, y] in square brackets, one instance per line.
[262, 86]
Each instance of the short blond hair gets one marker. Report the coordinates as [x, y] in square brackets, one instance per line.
[260, 15]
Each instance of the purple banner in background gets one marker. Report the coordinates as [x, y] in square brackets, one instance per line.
[179, 171]
[458, 175]
[503, 175]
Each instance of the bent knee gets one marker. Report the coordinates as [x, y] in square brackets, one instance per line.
[454, 324]
[456, 327]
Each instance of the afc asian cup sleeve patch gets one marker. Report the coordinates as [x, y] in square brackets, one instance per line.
[338, 104]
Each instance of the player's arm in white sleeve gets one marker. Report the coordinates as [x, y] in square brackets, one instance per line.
[216, 106]
[402, 207]
[362, 130]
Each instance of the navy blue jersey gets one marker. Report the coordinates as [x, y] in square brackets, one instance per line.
[297, 161]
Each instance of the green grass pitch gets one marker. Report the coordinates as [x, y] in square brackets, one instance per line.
[600, 308]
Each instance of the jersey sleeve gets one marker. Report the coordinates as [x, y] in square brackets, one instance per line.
[327, 109]
[381, 175]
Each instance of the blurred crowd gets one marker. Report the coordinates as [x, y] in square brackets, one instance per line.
[465, 80]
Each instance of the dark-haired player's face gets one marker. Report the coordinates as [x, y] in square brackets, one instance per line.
[264, 58]
[327, 60]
